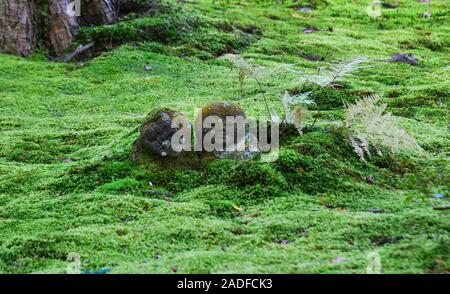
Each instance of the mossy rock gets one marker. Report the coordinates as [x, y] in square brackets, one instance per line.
[219, 112]
[156, 134]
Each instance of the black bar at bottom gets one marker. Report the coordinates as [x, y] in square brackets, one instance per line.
[214, 283]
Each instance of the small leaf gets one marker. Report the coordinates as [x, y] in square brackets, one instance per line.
[237, 207]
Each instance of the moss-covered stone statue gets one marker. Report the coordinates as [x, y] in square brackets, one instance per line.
[156, 133]
[156, 143]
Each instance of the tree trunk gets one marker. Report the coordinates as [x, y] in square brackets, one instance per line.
[97, 12]
[21, 25]
[62, 26]
[17, 34]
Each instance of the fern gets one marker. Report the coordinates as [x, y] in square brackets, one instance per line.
[294, 106]
[329, 77]
[369, 127]
[325, 78]
[299, 114]
[257, 73]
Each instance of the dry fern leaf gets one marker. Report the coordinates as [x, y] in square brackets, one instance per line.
[328, 77]
[369, 127]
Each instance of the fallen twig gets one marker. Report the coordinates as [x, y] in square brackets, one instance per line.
[80, 49]
[442, 208]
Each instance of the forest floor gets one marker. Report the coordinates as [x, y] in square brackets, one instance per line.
[67, 183]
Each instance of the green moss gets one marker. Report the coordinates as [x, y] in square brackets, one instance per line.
[196, 34]
[434, 43]
[159, 29]
[67, 183]
[223, 208]
[126, 185]
[257, 180]
[176, 181]
[87, 178]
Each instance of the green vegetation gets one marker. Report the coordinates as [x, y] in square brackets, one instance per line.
[67, 183]
[188, 32]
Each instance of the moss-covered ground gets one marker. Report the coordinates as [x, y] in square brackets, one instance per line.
[67, 183]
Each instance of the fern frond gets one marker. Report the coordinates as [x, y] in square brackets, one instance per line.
[258, 73]
[255, 71]
[300, 113]
[368, 126]
[328, 77]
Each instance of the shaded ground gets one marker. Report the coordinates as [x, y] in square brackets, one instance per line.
[67, 183]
